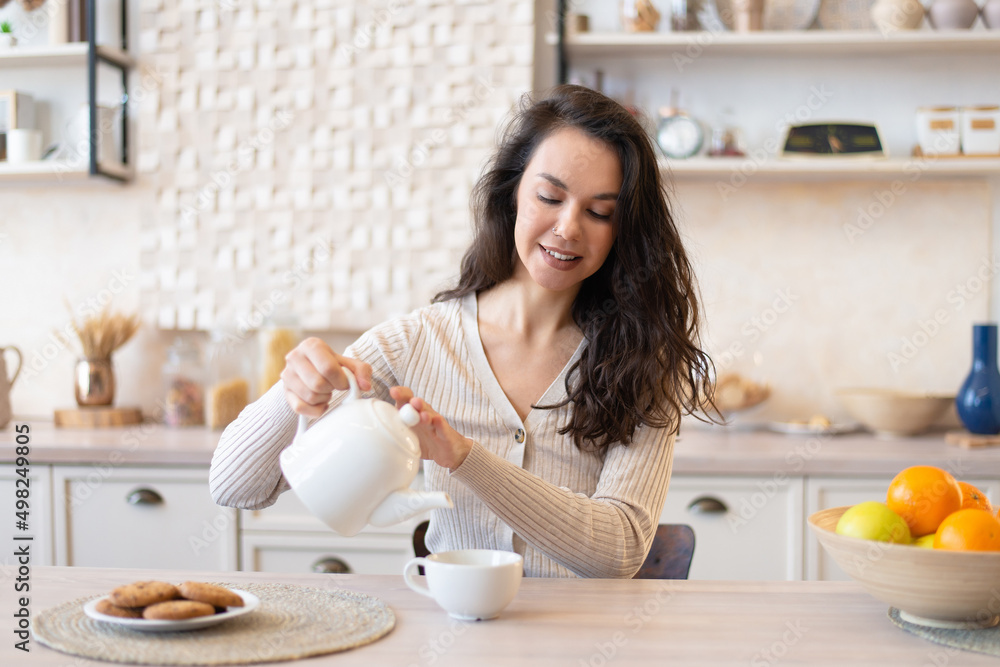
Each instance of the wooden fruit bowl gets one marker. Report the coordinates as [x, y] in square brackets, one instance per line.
[929, 586]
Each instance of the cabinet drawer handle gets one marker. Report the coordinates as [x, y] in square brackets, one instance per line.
[331, 565]
[707, 505]
[144, 497]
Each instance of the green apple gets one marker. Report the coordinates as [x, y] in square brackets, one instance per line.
[927, 541]
[872, 520]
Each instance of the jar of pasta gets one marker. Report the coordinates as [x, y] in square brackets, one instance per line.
[275, 339]
[184, 385]
[230, 370]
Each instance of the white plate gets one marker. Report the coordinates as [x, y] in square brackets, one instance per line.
[250, 602]
[810, 429]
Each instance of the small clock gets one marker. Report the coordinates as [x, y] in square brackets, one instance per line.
[679, 135]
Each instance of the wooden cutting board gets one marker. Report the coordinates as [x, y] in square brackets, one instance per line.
[968, 440]
[97, 417]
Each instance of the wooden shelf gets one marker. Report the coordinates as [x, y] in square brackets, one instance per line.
[782, 43]
[54, 171]
[61, 55]
[778, 169]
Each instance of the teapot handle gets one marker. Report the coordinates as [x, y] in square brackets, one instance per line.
[354, 394]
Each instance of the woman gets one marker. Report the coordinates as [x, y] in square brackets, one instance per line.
[551, 380]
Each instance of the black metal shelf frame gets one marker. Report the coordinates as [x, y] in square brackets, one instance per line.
[562, 66]
[93, 58]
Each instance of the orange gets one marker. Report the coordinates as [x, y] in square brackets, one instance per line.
[924, 496]
[973, 498]
[969, 530]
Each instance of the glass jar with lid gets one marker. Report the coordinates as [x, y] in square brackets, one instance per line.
[230, 371]
[276, 338]
[184, 385]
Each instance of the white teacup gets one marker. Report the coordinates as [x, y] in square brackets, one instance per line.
[470, 584]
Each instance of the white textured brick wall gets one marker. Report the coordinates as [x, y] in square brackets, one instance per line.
[319, 153]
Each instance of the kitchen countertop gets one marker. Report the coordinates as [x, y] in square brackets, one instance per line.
[699, 450]
[574, 622]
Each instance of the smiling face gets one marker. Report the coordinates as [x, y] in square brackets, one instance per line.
[565, 202]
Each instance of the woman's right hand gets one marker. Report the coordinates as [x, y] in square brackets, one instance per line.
[313, 371]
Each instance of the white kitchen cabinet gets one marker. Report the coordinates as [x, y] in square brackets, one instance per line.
[108, 516]
[826, 492]
[744, 527]
[39, 517]
[285, 537]
[365, 553]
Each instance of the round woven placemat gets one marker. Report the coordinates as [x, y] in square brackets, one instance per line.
[983, 640]
[291, 622]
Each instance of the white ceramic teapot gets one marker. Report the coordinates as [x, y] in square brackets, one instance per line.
[354, 465]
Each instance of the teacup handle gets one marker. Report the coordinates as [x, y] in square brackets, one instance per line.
[410, 576]
[355, 393]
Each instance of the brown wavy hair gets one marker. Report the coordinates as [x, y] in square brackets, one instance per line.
[642, 364]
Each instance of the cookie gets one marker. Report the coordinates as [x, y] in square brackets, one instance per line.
[210, 594]
[177, 610]
[104, 606]
[143, 593]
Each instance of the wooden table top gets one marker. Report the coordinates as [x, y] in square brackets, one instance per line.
[577, 623]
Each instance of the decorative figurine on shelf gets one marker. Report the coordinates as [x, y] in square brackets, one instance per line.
[748, 15]
[100, 335]
[892, 15]
[952, 14]
[990, 12]
[639, 16]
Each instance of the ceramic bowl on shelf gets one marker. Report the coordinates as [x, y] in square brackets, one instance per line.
[892, 413]
[932, 587]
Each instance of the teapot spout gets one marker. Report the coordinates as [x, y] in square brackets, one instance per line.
[406, 504]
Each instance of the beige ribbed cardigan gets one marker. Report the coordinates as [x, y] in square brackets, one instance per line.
[522, 488]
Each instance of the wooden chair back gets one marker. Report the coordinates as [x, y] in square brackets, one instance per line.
[420, 549]
[671, 554]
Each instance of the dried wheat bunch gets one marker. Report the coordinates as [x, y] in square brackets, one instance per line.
[102, 334]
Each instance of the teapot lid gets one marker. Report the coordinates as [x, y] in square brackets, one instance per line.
[388, 417]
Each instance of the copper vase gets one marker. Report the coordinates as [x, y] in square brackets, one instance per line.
[94, 382]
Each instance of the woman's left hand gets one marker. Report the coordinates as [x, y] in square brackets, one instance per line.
[439, 442]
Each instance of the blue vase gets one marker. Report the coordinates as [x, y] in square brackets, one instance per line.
[978, 401]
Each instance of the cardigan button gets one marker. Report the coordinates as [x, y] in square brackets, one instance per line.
[519, 436]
